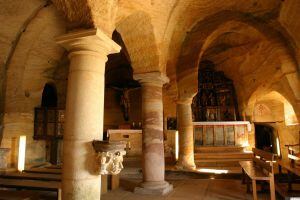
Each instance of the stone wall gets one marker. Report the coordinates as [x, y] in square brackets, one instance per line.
[255, 43]
[36, 55]
[271, 109]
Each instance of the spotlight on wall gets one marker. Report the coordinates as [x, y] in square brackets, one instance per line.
[245, 144]
[278, 146]
[213, 171]
[176, 145]
[22, 150]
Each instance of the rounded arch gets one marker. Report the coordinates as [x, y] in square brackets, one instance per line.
[49, 96]
[269, 103]
[137, 32]
[32, 64]
[204, 33]
[34, 61]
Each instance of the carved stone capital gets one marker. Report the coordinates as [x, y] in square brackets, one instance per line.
[92, 41]
[110, 162]
[109, 156]
[151, 78]
[185, 101]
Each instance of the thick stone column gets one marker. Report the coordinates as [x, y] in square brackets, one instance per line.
[153, 148]
[186, 135]
[88, 52]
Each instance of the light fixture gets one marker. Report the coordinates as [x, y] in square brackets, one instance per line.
[213, 171]
[278, 146]
[22, 150]
[176, 145]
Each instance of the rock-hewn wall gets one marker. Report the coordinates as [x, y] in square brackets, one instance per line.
[34, 56]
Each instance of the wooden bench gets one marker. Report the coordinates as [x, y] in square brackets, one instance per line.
[18, 195]
[35, 181]
[293, 154]
[260, 168]
[28, 177]
[284, 183]
[31, 176]
[32, 184]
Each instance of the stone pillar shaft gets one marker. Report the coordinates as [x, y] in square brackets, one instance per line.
[186, 135]
[84, 111]
[153, 148]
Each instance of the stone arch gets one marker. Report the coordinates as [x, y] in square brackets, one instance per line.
[274, 108]
[290, 111]
[137, 32]
[32, 65]
[205, 31]
[34, 60]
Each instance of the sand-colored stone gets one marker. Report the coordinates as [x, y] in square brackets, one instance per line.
[84, 122]
[256, 43]
[186, 135]
[153, 148]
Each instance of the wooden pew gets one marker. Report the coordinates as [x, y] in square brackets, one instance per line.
[31, 176]
[260, 168]
[34, 181]
[18, 195]
[293, 154]
[32, 184]
[38, 179]
[283, 184]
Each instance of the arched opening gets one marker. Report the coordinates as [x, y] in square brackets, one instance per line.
[49, 96]
[274, 120]
[119, 78]
[48, 124]
[266, 138]
[122, 105]
[242, 57]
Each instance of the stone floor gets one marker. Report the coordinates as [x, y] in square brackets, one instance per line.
[187, 185]
[189, 189]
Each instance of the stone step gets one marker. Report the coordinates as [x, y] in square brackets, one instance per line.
[220, 161]
[221, 158]
[210, 149]
[213, 162]
[223, 155]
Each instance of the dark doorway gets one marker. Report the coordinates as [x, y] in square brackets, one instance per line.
[49, 97]
[264, 138]
[49, 101]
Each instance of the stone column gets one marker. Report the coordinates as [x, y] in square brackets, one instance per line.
[88, 52]
[186, 135]
[153, 148]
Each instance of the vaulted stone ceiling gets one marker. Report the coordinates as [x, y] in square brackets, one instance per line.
[154, 33]
[169, 20]
[245, 58]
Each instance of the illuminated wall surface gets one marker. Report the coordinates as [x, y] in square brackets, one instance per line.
[22, 152]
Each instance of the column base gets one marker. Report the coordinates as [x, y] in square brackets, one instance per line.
[154, 188]
[181, 166]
